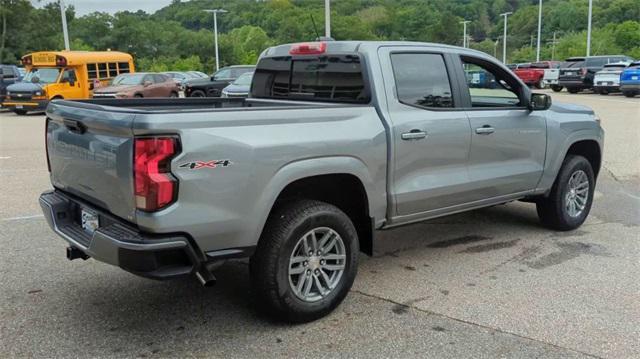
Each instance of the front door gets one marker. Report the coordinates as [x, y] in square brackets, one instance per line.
[508, 141]
[430, 137]
[69, 87]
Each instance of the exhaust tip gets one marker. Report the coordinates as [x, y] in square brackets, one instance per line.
[206, 278]
[75, 253]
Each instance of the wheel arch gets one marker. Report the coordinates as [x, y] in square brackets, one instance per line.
[340, 181]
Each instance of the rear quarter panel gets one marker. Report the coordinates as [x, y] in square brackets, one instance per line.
[227, 206]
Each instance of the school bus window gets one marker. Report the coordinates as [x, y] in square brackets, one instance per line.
[124, 67]
[92, 71]
[103, 71]
[113, 69]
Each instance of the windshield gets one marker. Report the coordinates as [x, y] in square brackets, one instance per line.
[244, 79]
[42, 75]
[135, 79]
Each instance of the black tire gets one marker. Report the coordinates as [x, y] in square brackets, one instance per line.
[629, 93]
[540, 84]
[197, 93]
[138, 95]
[269, 266]
[173, 94]
[573, 90]
[552, 210]
[20, 112]
[556, 88]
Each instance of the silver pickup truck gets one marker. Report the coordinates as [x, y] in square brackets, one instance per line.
[337, 141]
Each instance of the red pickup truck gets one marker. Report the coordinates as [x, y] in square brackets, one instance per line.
[533, 74]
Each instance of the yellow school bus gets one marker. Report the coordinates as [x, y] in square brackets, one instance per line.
[55, 75]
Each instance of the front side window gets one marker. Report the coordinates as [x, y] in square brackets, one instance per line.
[42, 75]
[68, 76]
[223, 74]
[422, 80]
[489, 86]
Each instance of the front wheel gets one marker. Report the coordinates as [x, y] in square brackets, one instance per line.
[305, 262]
[556, 88]
[20, 112]
[569, 202]
[573, 90]
[197, 93]
[629, 93]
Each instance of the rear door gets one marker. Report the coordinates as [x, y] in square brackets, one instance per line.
[430, 136]
[508, 141]
[91, 156]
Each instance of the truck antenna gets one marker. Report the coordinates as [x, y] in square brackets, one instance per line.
[314, 26]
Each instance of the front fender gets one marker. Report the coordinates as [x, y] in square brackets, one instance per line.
[557, 151]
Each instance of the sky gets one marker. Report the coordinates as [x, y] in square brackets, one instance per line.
[84, 7]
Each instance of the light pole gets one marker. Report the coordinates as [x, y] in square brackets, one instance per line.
[504, 37]
[65, 32]
[215, 30]
[464, 32]
[589, 29]
[495, 47]
[327, 18]
[539, 30]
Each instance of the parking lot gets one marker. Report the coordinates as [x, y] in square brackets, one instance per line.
[489, 283]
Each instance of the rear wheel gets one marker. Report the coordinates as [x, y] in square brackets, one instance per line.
[137, 95]
[306, 261]
[540, 84]
[629, 93]
[569, 202]
[20, 112]
[573, 89]
[556, 88]
[173, 94]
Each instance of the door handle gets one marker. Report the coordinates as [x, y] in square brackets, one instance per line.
[414, 135]
[75, 126]
[485, 130]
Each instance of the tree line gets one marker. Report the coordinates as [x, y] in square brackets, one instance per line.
[180, 35]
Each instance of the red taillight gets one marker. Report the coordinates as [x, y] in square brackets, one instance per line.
[308, 48]
[61, 61]
[155, 187]
[46, 142]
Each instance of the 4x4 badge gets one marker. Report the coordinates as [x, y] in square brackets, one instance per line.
[196, 165]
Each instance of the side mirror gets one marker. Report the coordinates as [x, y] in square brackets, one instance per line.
[539, 102]
[146, 83]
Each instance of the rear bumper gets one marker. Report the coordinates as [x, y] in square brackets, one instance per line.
[609, 88]
[117, 243]
[32, 105]
[630, 87]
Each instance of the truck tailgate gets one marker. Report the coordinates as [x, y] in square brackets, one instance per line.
[90, 155]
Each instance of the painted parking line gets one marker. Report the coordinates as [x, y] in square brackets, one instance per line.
[22, 218]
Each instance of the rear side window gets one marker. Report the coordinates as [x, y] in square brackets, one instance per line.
[333, 78]
[422, 80]
[573, 64]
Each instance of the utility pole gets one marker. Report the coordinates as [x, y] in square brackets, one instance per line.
[65, 32]
[539, 30]
[553, 46]
[464, 32]
[504, 37]
[215, 31]
[327, 18]
[495, 47]
[589, 29]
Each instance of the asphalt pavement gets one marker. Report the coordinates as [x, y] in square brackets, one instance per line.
[484, 284]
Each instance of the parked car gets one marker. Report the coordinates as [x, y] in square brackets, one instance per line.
[140, 84]
[338, 140]
[9, 74]
[180, 77]
[240, 87]
[577, 73]
[630, 80]
[212, 86]
[535, 74]
[607, 80]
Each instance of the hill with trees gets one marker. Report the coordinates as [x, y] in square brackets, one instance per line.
[180, 37]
